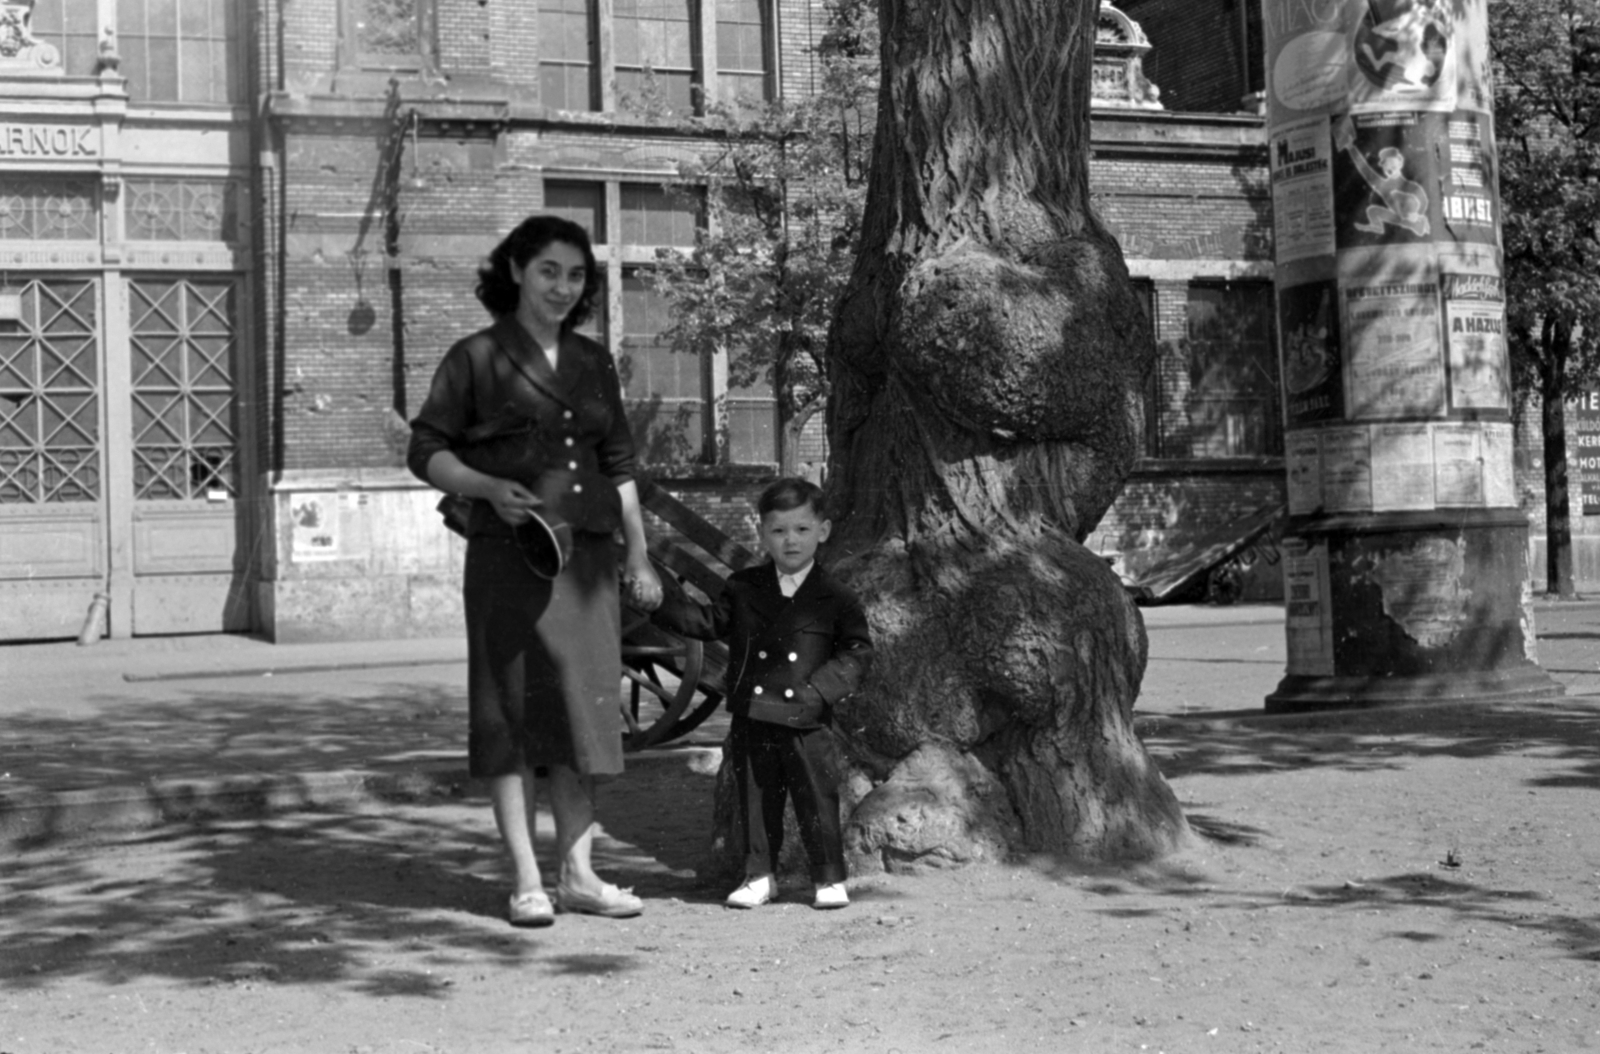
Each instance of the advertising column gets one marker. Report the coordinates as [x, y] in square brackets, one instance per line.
[1406, 555]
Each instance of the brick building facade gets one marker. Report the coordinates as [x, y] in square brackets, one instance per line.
[227, 290]
[313, 186]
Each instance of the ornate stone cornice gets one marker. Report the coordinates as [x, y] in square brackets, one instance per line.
[20, 54]
[1119, 50]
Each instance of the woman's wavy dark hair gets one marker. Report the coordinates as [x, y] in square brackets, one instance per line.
[499, 292]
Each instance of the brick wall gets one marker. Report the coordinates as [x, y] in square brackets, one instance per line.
[360, 332]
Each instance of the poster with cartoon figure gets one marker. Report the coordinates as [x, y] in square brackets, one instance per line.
[1308, 324]
[1383, 170]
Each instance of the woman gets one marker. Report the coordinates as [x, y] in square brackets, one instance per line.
[544, 652]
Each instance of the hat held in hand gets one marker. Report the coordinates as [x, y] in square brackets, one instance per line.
[545, 541]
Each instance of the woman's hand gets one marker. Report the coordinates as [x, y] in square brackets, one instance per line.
[513, 502]
[641, 585]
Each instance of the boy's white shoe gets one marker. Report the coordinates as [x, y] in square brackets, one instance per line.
[831, 896]
[753, 893]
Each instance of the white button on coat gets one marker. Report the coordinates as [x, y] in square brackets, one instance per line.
[758, 689]
[788, 693]
[794, 656]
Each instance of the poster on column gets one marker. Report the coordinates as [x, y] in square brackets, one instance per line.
[1392, 342]
[1383, 167]
[1402, 467]
[1404, 55]
[1499, 466]
[1308, 59]
[1302, 191]
[1347, 469]
[1313, 383]
[1308, 616]
[1457, 465]
[1374, 55]
[1468, 203]
[1475, 311]
[1302, 457]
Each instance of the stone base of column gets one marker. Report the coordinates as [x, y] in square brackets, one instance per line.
[1413, 608]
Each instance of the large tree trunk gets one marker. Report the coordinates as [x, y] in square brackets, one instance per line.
[987, 364]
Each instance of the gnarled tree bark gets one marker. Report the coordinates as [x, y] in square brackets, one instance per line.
[986, 364]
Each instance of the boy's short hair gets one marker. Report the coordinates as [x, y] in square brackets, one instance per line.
[791, 492]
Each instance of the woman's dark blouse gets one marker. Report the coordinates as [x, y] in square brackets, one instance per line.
[577, 408]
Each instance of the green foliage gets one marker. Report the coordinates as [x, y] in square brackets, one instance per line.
[785, 183]
[1547, 117]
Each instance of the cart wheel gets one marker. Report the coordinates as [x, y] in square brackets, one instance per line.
[672, 671]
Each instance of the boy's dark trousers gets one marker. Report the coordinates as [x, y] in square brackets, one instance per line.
[774, 762]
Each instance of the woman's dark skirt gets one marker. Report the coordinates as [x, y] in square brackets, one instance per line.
[544, 660]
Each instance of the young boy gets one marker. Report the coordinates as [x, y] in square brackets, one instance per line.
[797, 645]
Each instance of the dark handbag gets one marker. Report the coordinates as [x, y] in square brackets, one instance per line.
[546, 546]
[569, 499]
[494, 451]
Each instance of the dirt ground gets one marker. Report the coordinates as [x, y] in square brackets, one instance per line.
[1386, 883]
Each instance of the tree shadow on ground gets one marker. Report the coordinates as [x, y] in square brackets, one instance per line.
[1427, 906]
[377, 898]
[285, 727]
[381, 891]
[1360, 741]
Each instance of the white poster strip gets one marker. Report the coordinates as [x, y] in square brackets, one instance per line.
[1347, 469]
[1302, 454]
[1302, 191]
[1458, 465]
[1402, 467]
[1308, 616]
[1499, 466]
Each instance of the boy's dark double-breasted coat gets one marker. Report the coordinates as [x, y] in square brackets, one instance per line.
[791, 660]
